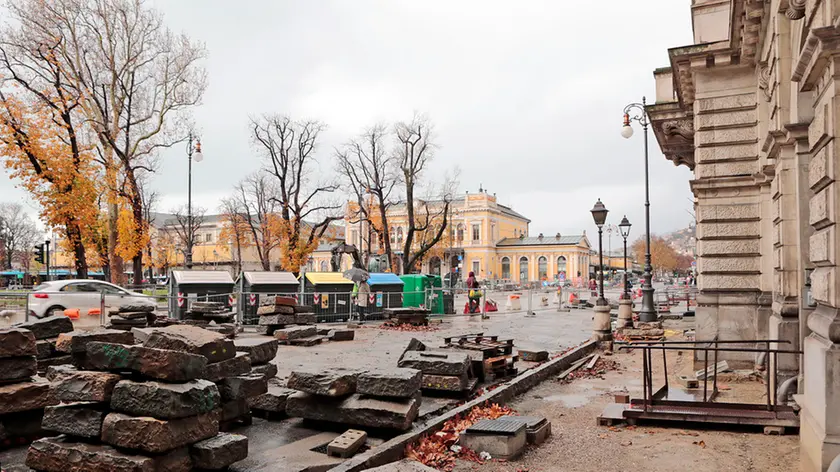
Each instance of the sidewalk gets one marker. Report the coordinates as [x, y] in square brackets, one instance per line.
[579, 445]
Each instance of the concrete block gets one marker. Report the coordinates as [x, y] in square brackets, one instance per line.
[347, 444]
[508, 443]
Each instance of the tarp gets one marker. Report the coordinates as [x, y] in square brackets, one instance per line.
[333, 278]
[384, 279]
[270, 278]
[202, 277]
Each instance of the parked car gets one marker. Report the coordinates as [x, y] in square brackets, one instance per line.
[52, 298]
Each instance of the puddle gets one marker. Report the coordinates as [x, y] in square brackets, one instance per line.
[569, 401]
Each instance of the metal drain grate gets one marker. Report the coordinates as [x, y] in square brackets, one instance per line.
[503, 427]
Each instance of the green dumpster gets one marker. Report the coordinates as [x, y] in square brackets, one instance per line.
[416, 289]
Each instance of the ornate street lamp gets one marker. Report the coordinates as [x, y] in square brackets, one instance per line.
[193, 153]
[624, 228]
[599, 214]
[648, 311]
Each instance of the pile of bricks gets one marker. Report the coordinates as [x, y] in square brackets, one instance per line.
[288, 322]
[131, 316]
[23, 395]
[138, 407]
[387, 399]
[46, 332]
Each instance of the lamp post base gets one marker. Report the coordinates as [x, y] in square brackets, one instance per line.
[648, 311]
[602, 327]
[625, 313]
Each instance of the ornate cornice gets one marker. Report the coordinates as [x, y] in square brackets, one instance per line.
[674, 130]
[796, 9]
[764, 80]
[814, 55]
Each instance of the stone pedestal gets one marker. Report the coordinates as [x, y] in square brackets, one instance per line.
[625, 313]
[602, 329]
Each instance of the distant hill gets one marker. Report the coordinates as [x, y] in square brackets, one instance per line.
[683, 240]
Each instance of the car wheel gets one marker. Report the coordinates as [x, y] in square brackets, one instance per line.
[55, 310]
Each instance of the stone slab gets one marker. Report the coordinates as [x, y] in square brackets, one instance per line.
[341, 335]
[77, 419]
[306, 318]
[295, 332]
[336, 382]
[243, 386]
[356, 410]
[63, 454]
[234, 409]
[275, 310]
[445, 383]
[156, 436]
[141, 335]
[266, 330]
[16, 342]
[148, 308]
[14, 369]
[436, 362]
[49, 327]
[347, 444]
[72, 385]
[44, 364]
[397, 382]
[238, 365]
[44, 348]
[166, 401]
[276, 320]
[194, 340]
[172, 366]
[26, 396]
[260, 350]
[77, 341]
[304, 309]
[268, 371]
[219, 451]
[274, 400]
[533, 356]
[129, 315]
[279, 300]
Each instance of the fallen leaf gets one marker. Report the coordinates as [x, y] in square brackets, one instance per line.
[603, 436]
[614, 429]
[700, 443]
[650, 432]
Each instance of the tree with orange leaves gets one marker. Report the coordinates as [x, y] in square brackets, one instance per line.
[234, 229]
[42, 137]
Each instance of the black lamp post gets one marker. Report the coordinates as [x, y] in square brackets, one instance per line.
[193, 153]
[624, 228]
[648, 311]
[599, 214]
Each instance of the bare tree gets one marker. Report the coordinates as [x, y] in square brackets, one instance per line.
[186, 234]
[17, 233]
[289, 147]
[256, 204]
[414, 150]
[139, 81]
[149, 199]
[372, 173]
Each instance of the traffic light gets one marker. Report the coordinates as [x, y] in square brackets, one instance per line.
[39, 253]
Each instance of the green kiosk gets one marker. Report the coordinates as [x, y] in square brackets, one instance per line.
[416, 289]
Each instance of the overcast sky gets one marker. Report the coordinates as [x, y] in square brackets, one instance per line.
[526, 96]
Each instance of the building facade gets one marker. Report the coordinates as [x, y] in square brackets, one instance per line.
[484, 237]
[753, 108]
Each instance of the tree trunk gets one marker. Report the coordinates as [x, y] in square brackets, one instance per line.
[115, 262]
[74, 235]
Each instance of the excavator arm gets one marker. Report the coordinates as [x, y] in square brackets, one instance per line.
[342, 249]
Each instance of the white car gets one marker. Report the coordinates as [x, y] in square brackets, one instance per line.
[52, 298]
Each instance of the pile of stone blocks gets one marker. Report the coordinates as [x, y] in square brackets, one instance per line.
[46, 332]
[131, 316]
[137, 407]
[260, 352]
[75, 343]
[23, 395]
[443, 370]
[388, 399]
[288, 322]
[228, 369]
[202, 313]
[271, 405]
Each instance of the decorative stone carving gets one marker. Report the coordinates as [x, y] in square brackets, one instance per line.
[764, 80]
[796, 9]
[678, 141]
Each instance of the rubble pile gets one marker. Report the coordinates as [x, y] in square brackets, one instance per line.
[388, 399]
[261, 352]
[288, 322]
[23, 395]
[443, 370]
[131, 316]
[138, 407]
[46, 332]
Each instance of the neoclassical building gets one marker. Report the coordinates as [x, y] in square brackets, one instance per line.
[487, 238]
[753, 108]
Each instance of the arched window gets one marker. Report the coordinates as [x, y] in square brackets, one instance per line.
[434, 265]
[460, 233]
[393, 235]
[561, 265]
[523, 269]
[399, 235]
[505, 267]
[542, 266]
[324, 266]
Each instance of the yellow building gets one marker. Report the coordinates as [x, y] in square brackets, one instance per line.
[484, 237]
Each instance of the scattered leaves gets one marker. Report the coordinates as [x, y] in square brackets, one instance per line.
[700, 443]
[602, 366]
[406, 327]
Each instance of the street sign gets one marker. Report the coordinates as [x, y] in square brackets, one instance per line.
[379, 299]
[252, 299]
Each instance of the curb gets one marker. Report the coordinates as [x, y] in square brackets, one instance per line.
[392, 451]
